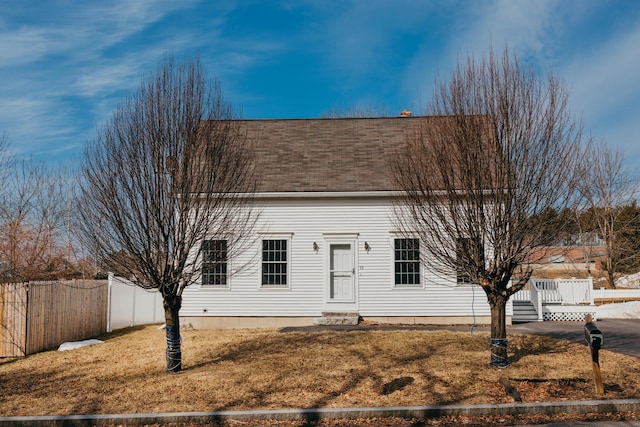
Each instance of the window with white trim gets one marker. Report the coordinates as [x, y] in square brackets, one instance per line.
[214, 263]
[274, 262]
[406, 262]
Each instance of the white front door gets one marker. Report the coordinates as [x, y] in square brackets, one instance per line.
[341, 272]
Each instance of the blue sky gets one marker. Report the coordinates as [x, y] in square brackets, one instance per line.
[66, 64]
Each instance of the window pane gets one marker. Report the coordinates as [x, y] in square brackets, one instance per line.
[274, 262]
[214, 263]
[407, 261]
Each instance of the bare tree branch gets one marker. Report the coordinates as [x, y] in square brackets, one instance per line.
[32, 214]
[170, 169]
[502, 148]
[608, 190]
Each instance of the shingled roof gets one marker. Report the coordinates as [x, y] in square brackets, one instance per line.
[328, 155]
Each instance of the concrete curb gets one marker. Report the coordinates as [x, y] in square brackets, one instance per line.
[542, 408]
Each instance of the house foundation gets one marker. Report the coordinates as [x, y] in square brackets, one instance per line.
[248, 322]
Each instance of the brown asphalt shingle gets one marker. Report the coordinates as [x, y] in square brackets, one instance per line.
[330, 155]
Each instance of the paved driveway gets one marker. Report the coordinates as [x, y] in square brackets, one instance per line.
[620, 335]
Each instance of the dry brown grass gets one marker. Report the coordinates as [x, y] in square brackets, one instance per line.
[266, 369]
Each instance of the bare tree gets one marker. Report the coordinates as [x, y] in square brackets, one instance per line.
[478, 181]
[170, 169]
[607, 188]
[33, 204]
[35, 201]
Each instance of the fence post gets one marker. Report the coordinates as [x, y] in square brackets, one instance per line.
[28, 312]
[109, 289]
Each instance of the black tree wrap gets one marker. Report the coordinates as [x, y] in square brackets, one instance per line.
[498, 347]
[174, 351]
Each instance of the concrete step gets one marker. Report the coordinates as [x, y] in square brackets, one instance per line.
[523, 308]
[523, 312]
[338, 318]
[517, 302]
[525, 319]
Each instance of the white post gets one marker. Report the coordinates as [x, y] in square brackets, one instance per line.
[109, 302]
[536, 298]
[133, 306]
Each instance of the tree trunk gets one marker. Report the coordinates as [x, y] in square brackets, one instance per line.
[498, 341]
[172, 306]
[609, 263]
[611, 278]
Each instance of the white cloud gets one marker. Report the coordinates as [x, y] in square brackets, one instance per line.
[605, 90]
[79, 29]
[526, 27]
[103, 78]
[600, 71]
[32, 126]
[605, 77]
[21, 116]
[72, 54]
[68, 57]
[22, 46]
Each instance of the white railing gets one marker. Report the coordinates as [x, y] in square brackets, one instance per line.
[576, 291]
[522, 295]
[548, 290]
[559, 299]
[557, 291]
[536, 299]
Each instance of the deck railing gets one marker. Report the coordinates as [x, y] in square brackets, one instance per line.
[536, 298]
[557, 291]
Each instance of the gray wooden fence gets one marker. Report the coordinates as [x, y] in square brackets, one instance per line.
[39, 316]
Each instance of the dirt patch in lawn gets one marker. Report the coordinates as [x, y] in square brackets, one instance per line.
[268, 369]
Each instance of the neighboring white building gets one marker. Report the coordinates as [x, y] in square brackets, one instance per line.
[327, 241]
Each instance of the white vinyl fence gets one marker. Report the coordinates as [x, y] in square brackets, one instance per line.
[607, 294]
[130, 305]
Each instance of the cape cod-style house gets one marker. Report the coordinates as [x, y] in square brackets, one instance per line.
[327, 248]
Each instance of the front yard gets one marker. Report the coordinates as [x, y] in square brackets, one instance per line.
[269, 369]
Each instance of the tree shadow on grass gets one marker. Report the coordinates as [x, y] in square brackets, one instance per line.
[322, 384]
[314, 370]
[123, 332]
[366, 367]
[521, 346]
[396, 384]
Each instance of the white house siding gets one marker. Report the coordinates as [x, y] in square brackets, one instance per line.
[308, 220]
